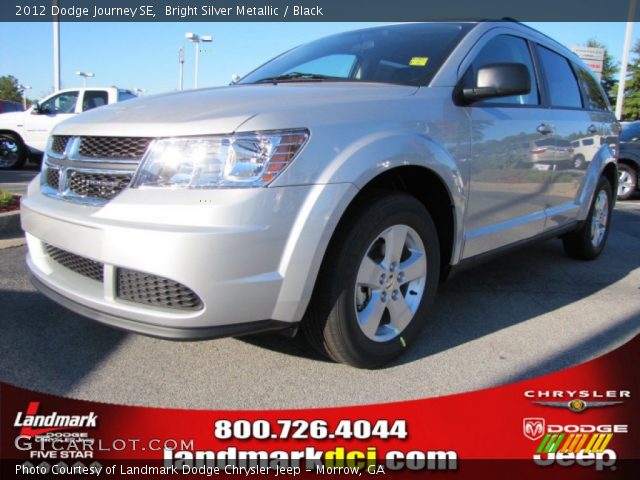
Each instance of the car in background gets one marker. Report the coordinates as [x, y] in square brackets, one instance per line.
[7, 106]
[629, 160]
[25, 133]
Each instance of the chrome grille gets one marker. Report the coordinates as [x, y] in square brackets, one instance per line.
[81, 265]
[156, 291]
[98, 185]
[59, 143]
[53, 177]
[123, 148]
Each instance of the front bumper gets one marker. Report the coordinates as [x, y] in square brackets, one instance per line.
[251, 255]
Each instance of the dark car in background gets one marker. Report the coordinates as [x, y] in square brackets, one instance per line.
[629, 160]
[10, 106]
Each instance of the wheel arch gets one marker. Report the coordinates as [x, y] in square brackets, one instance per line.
[431, 190]
[4, 131]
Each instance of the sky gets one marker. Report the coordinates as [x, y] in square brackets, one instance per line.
[145, 55]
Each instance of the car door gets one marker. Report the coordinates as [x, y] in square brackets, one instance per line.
[509, 175]
[575, 118]
[53, 110]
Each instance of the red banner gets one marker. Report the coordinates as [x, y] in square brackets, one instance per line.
[578, 423]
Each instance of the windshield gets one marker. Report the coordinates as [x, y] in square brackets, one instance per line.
[408, 54]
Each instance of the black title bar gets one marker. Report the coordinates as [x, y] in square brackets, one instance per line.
[314, 11]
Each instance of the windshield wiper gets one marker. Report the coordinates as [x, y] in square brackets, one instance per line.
[297, 77]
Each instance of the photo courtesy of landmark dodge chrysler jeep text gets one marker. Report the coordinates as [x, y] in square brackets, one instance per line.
[330, 190]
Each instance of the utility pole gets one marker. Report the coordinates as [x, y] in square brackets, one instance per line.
[181, 67]
[56, 49]
[625, 60]
[196, 39]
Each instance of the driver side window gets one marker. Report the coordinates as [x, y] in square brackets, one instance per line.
[62, 103]
[506, 49]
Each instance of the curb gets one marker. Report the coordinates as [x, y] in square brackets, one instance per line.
[10, 222]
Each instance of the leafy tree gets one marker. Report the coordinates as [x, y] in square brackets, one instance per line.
[609, 70]
[632, 88]
[9, 88]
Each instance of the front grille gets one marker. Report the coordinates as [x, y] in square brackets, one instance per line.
[76, 263]
[156, 291]
[53, 178]
[59, 143]
[103, 186]
[122, 148]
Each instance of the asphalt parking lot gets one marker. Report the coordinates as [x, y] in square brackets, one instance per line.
[530, 313]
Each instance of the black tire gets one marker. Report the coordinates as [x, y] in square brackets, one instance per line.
[633, 177]
[13, 152]
[579, 162]
[331, 323]
[580, 244]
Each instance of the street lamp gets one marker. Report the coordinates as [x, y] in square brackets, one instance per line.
[84, 76]
[196, 39]
[23, 89]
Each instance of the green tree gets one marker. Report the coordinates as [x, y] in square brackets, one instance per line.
[609, 70]
[9, 88]
[632, 87]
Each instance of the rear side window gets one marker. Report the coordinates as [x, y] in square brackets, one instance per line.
[594, 98]
[94, 99]
[563, 86]
[124, 95]
[505, 49]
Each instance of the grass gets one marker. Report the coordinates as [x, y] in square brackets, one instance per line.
[6, 199]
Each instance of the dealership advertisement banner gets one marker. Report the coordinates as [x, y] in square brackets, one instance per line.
[579, 423]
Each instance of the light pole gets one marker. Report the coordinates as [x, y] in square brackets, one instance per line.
[196, 39]
[625, 60]
[181, 67]
[56, 50]
[84, 76]
[23, 89]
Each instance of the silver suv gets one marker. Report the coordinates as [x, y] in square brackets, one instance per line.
[331, 189]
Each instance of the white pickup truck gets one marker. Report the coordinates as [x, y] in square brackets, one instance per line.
[26, 133]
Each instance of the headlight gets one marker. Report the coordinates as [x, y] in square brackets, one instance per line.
[242, 160]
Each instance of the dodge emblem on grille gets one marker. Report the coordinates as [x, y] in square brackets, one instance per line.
[101, 183]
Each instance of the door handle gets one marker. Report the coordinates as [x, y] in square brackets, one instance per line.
[545, 129]
[592, 129]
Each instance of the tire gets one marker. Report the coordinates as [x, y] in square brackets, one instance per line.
[351, 288]
[579, 162]
[627, 181]
[13, 153]
[588, 242]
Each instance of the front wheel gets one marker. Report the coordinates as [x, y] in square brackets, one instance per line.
[377, 284]
[13, 153]
[588, 242]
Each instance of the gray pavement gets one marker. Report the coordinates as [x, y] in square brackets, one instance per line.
[524, 315]
[16, 181]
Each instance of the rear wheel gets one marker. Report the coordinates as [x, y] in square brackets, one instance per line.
[627, 181]
[588, 242]
[13, 153]
[377, 284]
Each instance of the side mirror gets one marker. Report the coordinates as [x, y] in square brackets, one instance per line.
[498, 80]
[36, 109]
[235, 78]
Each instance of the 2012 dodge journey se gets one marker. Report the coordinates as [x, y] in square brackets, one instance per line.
[330, 189]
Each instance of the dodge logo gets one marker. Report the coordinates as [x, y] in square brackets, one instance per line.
[533, 428]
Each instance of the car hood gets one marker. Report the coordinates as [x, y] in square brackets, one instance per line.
[219, 110]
